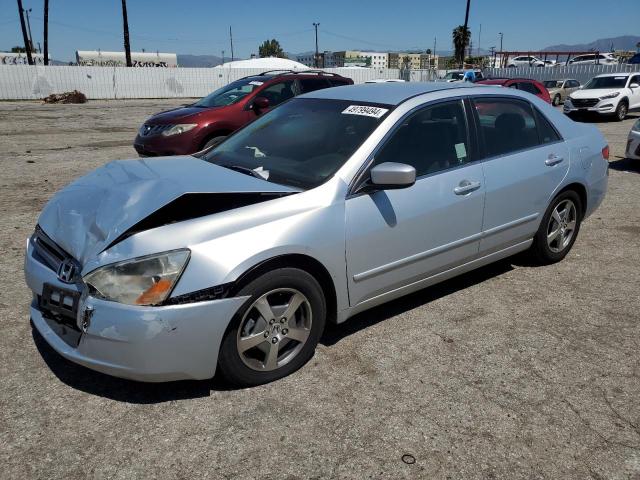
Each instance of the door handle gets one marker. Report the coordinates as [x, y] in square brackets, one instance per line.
[465, 187]
[553, 160]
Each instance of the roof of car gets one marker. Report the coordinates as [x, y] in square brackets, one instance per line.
[390, 93]
[270, 74]
[620, 74]
[500, 81]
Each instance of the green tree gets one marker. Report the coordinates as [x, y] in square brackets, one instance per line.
[271, 48]
[18, 50]
[406, 61]
[460, 41]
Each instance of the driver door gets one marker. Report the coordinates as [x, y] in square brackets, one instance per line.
[276, 94]
[398, 237]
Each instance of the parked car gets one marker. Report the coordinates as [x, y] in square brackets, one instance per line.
[633, 142]
[611, 94]
[525, 84]
[559, 90]
[330, 204]
[189, 129]
[528, 61]
[458, 76]
[385, 80]
[635, 60]
[594, 58]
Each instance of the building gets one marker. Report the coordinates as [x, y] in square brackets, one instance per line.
[376, 59]
[97, 58]
[351, 58]
[415, 61]
[325, 60]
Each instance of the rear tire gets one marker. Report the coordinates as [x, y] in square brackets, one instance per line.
[256, 349]
[558, 229]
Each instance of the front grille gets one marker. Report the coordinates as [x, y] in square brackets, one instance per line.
[151, 130]
[47, 252]
[584, 102]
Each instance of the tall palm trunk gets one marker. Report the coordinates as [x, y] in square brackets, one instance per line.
[45, 33]
[27, 43]
[125, 27]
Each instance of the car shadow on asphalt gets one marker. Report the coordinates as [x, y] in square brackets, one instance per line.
[625, 165]
[129, 391]
[334, 333]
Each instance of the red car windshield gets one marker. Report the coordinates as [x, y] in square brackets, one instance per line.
[229, 94]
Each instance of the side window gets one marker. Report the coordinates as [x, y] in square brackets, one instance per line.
[546, 131]
[432, 139]
[506, 125]
[635, 79]
[312, 84]
[528, 87]
[278, 92]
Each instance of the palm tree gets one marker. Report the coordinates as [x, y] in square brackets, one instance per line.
[125, 28]
[45, 34]
[460, 41]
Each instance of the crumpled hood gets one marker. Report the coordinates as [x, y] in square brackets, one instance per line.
[90, 213]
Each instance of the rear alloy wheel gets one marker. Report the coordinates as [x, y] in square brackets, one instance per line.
[276, 331]
[556, 100]
[621, 111]
[558, 229]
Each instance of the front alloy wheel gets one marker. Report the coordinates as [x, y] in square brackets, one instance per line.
[276, 331]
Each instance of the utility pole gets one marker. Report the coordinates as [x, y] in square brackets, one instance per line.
[435, 59]
[24, 33]
[464, 32]
[316, 59]
[479, 36]
[46, 32]
[125, 28]
[39, 48]
[231, 40]
[501, 54]
[27, 12]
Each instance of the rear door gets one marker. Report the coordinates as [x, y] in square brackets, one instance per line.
[526, 160]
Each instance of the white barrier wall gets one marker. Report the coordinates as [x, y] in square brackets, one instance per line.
[29, 82]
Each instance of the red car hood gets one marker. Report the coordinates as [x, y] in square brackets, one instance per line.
[180, 115]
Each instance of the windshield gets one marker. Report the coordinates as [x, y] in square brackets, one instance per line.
[454, 76]
[606, 82]
[229, 94]
[552, 84]
[301, 143]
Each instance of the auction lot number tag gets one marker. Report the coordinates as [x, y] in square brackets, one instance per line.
[364, 110]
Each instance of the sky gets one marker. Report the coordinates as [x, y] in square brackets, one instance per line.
[202, 27]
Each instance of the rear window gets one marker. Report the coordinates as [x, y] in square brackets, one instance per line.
[312, 84]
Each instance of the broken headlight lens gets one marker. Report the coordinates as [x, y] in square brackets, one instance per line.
[141, 281]
[178, 129]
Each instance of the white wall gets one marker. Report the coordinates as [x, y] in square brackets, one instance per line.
[32, 82]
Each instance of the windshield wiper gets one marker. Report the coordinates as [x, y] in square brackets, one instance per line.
[245, 170]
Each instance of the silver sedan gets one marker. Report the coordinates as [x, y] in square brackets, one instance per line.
[336, 201]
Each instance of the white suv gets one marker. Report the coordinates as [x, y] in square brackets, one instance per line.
[525, 61]
[610, 94]
[593, 58]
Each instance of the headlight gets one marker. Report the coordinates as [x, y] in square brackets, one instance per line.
[636, 126]
[178, 129]
[611, 95]
[141, 281]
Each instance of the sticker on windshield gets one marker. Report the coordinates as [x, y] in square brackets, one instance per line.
[375, 112]
[256, 83]
[461, 151]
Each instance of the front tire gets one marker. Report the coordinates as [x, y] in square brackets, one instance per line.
[276, 331]
[559, 228]
[621, 111]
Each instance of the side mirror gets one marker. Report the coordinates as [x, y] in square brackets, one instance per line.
[260, 103]
[390, 176]
[634, 85]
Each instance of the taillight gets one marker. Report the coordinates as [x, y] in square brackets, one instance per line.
[605, 152]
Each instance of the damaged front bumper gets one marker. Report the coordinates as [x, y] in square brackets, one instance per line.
[151, 344]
